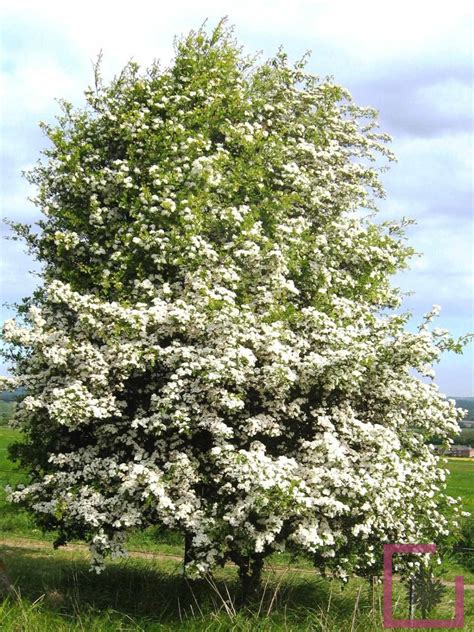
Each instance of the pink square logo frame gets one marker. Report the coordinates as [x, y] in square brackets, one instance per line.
[388, 620]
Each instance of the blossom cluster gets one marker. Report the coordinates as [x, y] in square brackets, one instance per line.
[216, 345]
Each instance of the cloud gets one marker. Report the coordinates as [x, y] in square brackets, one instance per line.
[422, 108]
[433, 174]
[16, 281]
[443, 273]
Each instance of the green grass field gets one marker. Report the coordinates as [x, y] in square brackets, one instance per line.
[56, 591]
[461, 481]
[6, 410]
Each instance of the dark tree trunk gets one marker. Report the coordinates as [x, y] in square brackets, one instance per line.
[250, 574]
[188, 538]
[411, 599]
[6, 587]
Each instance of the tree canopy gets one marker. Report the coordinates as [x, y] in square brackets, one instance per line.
[216, 345]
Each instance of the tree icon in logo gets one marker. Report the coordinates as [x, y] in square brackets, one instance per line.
[425, 592]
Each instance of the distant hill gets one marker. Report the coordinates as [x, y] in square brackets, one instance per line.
[468, 403]
[11, 396]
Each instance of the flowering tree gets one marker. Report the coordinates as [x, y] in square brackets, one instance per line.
[215, 346]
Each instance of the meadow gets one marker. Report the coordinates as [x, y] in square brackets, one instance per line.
[54, 590]
[6, 410]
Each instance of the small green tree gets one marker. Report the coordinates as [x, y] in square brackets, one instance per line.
[214, 346]
[424, 591]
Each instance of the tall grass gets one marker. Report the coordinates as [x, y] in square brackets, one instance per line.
[54, 590]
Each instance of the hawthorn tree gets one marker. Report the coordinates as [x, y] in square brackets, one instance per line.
[216, 345]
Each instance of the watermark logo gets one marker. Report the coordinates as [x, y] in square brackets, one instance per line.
[388, 620]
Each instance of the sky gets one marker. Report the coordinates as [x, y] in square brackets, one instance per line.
[413, 61]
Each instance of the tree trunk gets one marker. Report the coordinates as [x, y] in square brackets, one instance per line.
[411, 599]
[6, 587]
[188, 538]
[250, 574]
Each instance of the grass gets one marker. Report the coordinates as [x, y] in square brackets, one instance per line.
[56, 591]
[461, 481]
[6, 411]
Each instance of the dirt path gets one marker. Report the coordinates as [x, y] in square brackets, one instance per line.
[28, 543]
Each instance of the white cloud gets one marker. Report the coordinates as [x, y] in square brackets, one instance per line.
[15, 264]
[434, 172]
[443, 273]
[28, 90]
[364, 28]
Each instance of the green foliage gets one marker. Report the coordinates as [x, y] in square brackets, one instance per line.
[465, 437]
[468, 404]
[103, 197]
